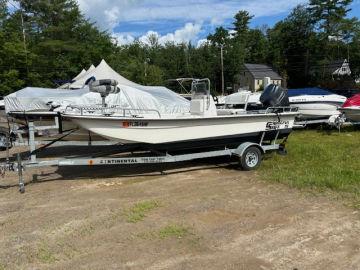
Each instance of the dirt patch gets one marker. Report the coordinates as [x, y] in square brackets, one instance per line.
[205, 217]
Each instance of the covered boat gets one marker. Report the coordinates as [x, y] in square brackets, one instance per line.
[131, 95]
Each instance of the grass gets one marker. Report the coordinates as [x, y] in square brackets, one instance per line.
[139, 210]
[321, 160]
[174, 230]
[45, 255]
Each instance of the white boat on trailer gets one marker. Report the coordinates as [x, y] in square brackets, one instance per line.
[203, 124]
[147, 137]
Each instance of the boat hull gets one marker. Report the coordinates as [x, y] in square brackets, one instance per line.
[314, 111]
[163, 131]
[351, 113]
[45, 121]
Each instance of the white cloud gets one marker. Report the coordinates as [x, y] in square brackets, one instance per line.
[124, 38]
[145, 38]
[186, 34]
[202, 42]
[106, 13]
[111, 16]
[109, 13]
[142, 14]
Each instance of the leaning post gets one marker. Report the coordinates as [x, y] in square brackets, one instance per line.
[20, 173]
[32, 141]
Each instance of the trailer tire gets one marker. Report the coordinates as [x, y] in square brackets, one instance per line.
[251, 158]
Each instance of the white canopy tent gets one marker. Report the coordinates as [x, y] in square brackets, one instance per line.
[101, 72]
[79, 75]
[82, 73]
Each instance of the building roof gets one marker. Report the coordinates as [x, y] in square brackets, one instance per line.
[259, 71]
[333, 66]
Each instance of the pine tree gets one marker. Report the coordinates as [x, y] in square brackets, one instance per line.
[329, 14]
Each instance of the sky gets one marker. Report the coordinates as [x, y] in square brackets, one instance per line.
[182, 20]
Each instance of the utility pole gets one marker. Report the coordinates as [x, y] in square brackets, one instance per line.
[307, 63]
[147, 60]
[145, 63]
[222, 69]
[24, 41]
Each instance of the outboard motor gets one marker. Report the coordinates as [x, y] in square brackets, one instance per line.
[104, 88]
[274, 96]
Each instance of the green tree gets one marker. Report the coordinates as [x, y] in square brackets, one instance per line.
[220, 37]
[293, 47]
[241, 23]
[12, 54]
[256, 47]
[58, 43]
[329, 14]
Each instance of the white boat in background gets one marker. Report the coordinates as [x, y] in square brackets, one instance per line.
[244, 99]
[203, 125]
[315, 103]
[351, 109]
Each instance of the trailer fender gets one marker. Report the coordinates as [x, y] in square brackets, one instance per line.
[242, 147]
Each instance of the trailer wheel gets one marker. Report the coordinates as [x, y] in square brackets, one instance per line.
[251, 158]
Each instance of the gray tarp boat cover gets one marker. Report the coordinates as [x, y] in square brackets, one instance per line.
[131, 95]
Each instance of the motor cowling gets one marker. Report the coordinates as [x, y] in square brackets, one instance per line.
[274, 96]
[104, 87]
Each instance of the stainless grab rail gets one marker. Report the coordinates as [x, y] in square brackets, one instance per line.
[107, 111]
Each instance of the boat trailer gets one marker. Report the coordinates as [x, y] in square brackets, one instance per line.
[249, 154]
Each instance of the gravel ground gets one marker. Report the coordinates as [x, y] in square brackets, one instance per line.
[199, 215]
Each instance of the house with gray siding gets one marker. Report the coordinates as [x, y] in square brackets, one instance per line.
[252, 77]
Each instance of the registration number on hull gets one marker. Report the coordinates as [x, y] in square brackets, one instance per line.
[127, 124]
[275, 125]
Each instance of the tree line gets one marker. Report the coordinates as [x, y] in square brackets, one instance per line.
[45, 42]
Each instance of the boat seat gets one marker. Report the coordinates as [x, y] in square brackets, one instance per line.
[203, 105]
